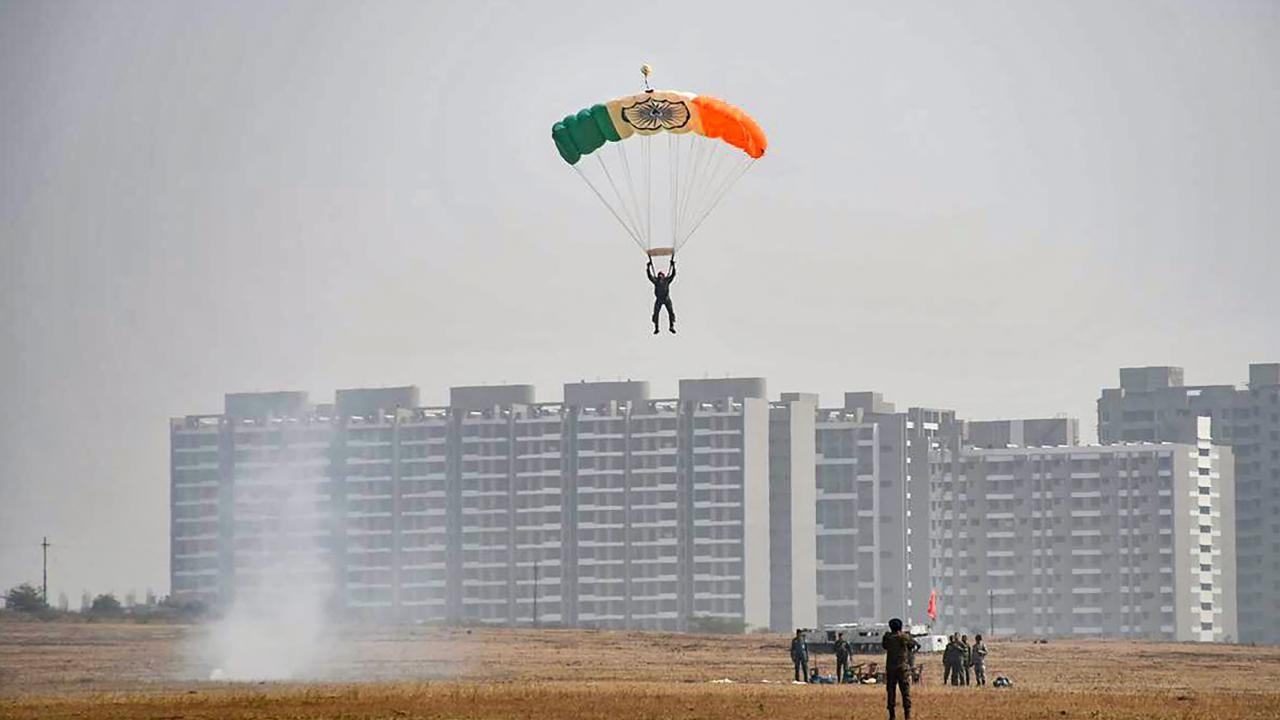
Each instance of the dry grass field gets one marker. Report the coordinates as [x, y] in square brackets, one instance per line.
[132, 672]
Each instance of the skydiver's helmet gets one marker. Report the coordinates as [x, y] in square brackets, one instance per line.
[661, 274]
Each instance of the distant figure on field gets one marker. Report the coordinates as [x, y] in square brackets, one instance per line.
[898, 647]
[800, 656]
[662, 294]
[842, 657]
[966, 659]
[949, 661]
[980, 660]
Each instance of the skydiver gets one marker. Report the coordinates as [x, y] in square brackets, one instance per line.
[661, 293]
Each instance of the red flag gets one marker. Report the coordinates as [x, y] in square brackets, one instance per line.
[933, 604]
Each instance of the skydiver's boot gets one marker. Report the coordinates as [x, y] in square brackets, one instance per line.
[672, 328]
[655, 327]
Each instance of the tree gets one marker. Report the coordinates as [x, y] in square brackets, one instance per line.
[63, 602]
[25, 598]
[106, 605]
[188, 610]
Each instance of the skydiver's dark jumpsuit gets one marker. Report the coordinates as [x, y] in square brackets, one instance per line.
[662, 294]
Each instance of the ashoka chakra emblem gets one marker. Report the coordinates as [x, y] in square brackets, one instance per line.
[655, 114]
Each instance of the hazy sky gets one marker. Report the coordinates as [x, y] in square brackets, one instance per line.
[983, 206]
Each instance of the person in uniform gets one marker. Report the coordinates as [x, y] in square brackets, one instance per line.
[842, 657]
[966, 659]
[949, 661]
[662, 293]
[979, 661]
[800, 656]
[898, 647]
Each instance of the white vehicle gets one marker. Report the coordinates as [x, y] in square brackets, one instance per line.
[864, 638]
[932, 643]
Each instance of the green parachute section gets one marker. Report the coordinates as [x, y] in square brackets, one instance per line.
[583, 133]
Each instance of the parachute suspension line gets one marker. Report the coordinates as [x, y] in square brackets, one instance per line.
[692, 179]
[604, 202]
[673, 175]
[732, 180]
[646, 150]
[706, 179]
[690, 176]
[622, 203]
[631, 189]
[725, 175]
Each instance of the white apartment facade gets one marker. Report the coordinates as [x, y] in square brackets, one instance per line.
[1118, 541]
[614, 511]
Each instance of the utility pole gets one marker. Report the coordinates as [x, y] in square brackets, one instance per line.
[44, 571]
[991, 610]
[535, 592]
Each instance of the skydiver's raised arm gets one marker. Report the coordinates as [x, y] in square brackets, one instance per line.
[648, 270]
[671, 276]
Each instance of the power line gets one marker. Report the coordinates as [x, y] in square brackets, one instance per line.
[535, 591]
[44, 570]
[991, 610]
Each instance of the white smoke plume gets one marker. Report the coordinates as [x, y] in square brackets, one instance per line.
[278, 626]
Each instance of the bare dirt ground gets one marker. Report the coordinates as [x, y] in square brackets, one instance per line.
[128, 672]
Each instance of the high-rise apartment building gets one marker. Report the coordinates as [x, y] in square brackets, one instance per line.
[1133, 540]
[670, 520]
[719, 509]
[850, 508]
[794, 538]
[610, 509]
[1153, 404]
[251, 505]
[911, 450]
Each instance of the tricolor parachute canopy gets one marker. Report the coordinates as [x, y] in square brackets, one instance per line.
[655, 112]
[710, 144]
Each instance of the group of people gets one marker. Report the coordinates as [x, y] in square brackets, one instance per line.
[962, 663]
[800, 659]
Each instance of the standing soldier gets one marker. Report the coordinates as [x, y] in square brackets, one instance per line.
[800, 656]
[898, 646]
[980, 660]
[966, 659]
[949, 661]
[842, 657]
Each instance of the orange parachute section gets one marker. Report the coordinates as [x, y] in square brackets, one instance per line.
[721, 120]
